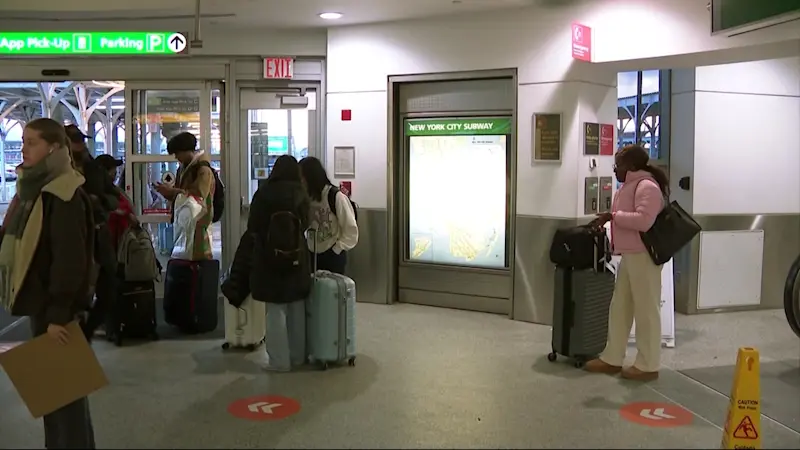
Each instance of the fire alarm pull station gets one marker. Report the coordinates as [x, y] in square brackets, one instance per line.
[606, 194]
[590, 195]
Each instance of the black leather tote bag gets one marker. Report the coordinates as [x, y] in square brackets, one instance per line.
[672, 230]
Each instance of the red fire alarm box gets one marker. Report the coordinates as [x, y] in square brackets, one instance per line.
[347, 115]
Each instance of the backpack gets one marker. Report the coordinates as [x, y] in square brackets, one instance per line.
[136, 255]
[284, 244]
[580, 248]
[332, 202]
[219, 193]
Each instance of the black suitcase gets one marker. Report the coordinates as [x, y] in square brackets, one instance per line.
[191, 294]
[134, 314]
[581, 302]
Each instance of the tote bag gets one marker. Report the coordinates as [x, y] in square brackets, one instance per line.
[672, 230]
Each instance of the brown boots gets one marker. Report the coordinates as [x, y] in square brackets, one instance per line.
[629, 373]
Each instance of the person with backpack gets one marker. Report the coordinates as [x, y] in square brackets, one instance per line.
[196, 178]
[123, 217]
[280, 272]
[105, 200]
[46, 259]
[332, 215]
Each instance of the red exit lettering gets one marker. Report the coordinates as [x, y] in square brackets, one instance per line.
[279, 68]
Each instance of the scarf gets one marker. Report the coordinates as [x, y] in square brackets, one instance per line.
[30, 182]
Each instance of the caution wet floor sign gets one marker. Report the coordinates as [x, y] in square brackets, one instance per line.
[743, 424]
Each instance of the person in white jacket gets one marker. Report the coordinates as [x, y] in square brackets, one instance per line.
[331, 216]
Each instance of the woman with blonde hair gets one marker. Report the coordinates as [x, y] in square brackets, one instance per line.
[46, 258]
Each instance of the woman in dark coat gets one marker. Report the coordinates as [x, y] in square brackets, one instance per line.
[280, 270]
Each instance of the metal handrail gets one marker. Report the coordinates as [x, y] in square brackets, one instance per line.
[791, 297]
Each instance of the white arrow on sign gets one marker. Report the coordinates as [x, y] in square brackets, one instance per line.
[263, 407]
[657, 414]
[176, 42]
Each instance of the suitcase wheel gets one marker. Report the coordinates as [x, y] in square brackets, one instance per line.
[352, 361]
[226, 345]
[323, 366]
[552, 357]
[118, 339]
[251, 347]
[578, 364]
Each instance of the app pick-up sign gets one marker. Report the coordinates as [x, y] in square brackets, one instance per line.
[92, 43]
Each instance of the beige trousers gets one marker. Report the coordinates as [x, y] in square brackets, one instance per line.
[637, 295]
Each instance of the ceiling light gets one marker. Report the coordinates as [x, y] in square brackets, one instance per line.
[330, 16]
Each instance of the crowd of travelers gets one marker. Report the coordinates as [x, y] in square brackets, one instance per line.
[59, 254]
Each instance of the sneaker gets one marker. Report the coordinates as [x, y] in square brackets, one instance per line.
[632, 373]
[600, 366]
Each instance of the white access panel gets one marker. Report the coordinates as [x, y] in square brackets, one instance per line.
[730, 269]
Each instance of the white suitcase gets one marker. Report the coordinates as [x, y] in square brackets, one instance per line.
[245, 327]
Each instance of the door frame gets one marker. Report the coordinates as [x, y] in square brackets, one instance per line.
[133, 142]
[316, 137]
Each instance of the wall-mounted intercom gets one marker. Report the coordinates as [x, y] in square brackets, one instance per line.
[606, 194]
[590, 195]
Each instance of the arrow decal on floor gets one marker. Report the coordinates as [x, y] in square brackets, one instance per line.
[657, 414]
[263, 407]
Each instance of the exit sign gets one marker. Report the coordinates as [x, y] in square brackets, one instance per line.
[89, 43]
[278, 68]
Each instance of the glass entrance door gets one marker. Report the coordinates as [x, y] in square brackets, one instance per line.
[273, 123]
[155, 112]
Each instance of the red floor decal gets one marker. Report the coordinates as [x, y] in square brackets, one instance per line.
[652, 414]
[264, 407]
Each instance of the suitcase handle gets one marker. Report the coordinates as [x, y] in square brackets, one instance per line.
[312, 234]
[240, 325]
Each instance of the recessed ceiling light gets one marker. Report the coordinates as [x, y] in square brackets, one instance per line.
[330, 15]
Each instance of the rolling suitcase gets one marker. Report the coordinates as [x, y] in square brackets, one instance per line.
[330, 318]
[134, 315]
[246, 326]
[191, 295]
[582, 299]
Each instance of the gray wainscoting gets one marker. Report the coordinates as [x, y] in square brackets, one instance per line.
[781, 247]
[533, 271]
[368, 262]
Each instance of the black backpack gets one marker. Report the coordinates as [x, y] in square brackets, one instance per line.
[283, 245]
[580, 248]
[332, 202]
[219, 193]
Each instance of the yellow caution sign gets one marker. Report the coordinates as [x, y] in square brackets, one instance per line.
[743, 424]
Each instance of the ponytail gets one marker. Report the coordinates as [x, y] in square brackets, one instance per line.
[660, 177]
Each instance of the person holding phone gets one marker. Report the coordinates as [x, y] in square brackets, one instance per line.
[46, 258]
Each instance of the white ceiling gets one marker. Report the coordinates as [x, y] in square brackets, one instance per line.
[36, 14]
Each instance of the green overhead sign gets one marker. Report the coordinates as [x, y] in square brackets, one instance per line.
[465, 126]
[92, 43]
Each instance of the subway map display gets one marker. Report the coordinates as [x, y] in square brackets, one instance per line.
[457, 191]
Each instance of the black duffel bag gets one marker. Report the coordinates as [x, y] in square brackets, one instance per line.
[671, 231]
[580, 247]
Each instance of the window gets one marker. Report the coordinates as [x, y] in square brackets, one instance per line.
[643, 111]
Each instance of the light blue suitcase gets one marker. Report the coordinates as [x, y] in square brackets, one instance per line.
[330, 320]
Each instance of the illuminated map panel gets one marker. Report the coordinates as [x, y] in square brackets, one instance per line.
[457, 191]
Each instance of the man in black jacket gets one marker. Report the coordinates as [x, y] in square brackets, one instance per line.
[105, 200]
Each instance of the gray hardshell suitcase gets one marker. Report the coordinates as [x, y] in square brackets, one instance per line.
[330, 318]
[580, 312]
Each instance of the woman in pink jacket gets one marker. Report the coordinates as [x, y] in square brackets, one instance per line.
[637, 294]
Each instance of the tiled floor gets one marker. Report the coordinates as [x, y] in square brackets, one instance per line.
[425, 378]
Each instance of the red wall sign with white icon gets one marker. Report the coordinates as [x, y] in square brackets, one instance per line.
[581, 42]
